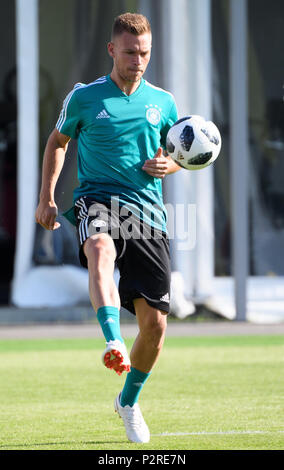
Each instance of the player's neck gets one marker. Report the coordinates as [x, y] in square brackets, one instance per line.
[127, 87]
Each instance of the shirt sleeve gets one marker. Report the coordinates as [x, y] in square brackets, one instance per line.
[69, 119]
[172, 118]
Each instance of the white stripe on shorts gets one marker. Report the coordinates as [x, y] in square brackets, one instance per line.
[83, 208]
[84, 218]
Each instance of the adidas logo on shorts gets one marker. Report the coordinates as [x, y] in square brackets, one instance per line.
[165, 298]
[103, 115]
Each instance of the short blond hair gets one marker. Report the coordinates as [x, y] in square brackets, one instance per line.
[133, 23]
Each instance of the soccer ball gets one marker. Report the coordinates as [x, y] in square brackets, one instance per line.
[193, 143]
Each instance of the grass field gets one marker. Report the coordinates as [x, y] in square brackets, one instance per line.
[216, 393]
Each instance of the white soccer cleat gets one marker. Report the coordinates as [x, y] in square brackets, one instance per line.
[115, 356]
[135, 426]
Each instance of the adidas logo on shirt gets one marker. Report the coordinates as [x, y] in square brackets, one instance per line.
[103, 115]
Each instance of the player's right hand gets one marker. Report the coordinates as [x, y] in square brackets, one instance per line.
[46, 214]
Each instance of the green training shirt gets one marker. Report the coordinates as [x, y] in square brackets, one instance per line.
[116, 133]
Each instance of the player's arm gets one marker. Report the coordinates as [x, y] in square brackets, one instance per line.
[172, 166]
[161, 165]
[53, 160]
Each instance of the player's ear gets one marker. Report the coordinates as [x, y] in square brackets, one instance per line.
[110, 48]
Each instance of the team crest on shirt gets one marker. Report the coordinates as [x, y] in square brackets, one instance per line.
[153, 114]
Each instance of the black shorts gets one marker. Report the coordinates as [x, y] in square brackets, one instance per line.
[142, 253]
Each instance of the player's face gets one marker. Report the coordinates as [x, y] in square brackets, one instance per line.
[131, 55]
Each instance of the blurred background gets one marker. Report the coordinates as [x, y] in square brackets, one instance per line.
[220, 58]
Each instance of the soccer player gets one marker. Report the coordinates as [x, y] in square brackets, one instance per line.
[121, 122]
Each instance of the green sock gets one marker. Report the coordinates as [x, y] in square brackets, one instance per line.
[109, 319]
[134, 383]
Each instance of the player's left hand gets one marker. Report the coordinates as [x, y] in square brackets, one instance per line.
[158, 166]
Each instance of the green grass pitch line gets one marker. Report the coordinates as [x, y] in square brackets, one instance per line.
[204, 393]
